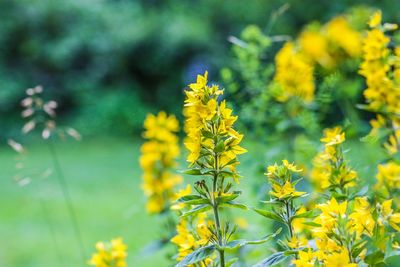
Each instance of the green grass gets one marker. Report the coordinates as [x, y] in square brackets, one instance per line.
[104, 180]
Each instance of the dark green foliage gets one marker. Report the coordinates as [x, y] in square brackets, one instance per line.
[108, 63]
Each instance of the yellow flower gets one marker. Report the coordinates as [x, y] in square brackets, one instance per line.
[340, 34]
[200, 83]
[294, 75]
[189, 238]
[185, 241]
[315, 45]
[388, 176]
[339, 259]
[181, 193]
[291, 166]
[161, 127]
[333, 209]
[305, 259]
[297, 242]
[330, 170]
[333, 136]
[361, 220]
[387, 215]
[280, 178]
[393, 143]
[375, 19]
[109, 254]
[331, 212]
[285, 191]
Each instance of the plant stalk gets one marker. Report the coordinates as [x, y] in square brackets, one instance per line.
[67, 198]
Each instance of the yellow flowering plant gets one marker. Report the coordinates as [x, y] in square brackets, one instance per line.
[285, 209]
[109, 254]
[296, 94]
[213, 146]
[192, 233]
[381, 70]
[349, 232]
[330, 169]
[352, 232]
[158, 160]
[344, 227]
[351, 228]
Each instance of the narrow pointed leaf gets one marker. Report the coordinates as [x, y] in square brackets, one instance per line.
[196, 210]
[272, 260]
[234, 244]
[269, 215]
[197, 255]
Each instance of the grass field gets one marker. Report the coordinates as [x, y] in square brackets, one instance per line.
[104, 181]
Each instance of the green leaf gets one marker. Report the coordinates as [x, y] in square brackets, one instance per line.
[234, 244]
[231, 262]
[234, 205]
[219, 147]
[307, 214]
[193, 172]
[197, 255]
[313, 224]
[193, 200]
[269, 215]
[272, 260]
[226, 173]
[224, 199]
[375, 257]
[362, 192]
[196, 210]
[207, 134]
[392, 258]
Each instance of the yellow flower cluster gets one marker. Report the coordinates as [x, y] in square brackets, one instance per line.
[280, 177]
[322, 45]
[294, 75]
[342, 35]
[211, 138]
[159, 154]
[340, 229]
[381, 69]
[191, 236]
[329, 168]
[109, 254]
[388, 177]
[307, 258]
[336, 232]
[387, 215]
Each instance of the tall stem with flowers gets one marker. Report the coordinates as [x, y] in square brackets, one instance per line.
[213, 146]
[381, 70]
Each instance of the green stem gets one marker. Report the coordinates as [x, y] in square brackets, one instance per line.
[51, 230]
[289, 219]
[64, 188]
[215, 204]
[217, 222]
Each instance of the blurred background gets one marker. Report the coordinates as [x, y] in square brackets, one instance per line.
[108, 64]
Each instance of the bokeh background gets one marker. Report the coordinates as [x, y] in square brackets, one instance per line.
[108, 64]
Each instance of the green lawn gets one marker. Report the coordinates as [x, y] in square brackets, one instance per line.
[104, 180]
